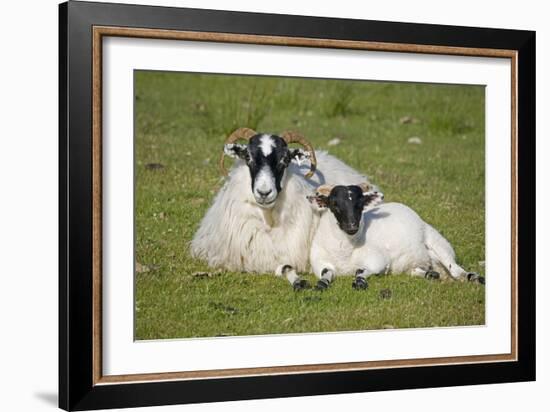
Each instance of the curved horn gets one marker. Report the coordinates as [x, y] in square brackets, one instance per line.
[295, 137]
[241, 133]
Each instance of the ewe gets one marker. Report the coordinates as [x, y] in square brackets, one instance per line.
[360, 234]
[260, 221]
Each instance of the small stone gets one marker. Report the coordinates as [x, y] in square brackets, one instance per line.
[408, 120]
[202, 275]
[334, 142]
[141, 268]
[197, 201]
[414, 140]
[162, 215]
[388, 327]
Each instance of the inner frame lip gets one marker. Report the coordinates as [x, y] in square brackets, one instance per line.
[100, 31]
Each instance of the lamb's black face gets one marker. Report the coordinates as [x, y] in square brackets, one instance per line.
[346, 204]
[267, 157]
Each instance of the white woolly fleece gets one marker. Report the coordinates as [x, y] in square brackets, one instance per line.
[236, 234]
[392, 238]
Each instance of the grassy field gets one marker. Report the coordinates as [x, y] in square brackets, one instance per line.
[181, 122]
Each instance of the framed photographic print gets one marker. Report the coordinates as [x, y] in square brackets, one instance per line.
[256, 206]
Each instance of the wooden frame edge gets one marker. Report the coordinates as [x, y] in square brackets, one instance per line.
[97, 34]
[97, 137]
[514, 203]
[297, 369]
[297, 41]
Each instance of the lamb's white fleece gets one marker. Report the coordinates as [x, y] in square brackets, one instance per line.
[238, 235]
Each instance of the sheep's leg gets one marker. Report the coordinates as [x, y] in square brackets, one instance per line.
[361, 276]
[325, 272]
[375, 262]
[293, 278]
[425, 273]
[441, 252]
[327, 276]
[454, 269]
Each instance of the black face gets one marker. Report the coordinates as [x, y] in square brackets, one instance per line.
[346, 203]
[267, 157]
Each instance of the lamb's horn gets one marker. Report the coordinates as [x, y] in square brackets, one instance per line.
[365, 187]
[295, 137]
[324, 190]
[242, 133]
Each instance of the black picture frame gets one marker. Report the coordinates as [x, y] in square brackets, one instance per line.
[77, 390]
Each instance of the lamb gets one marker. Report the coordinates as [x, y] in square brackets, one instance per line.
[359, 234]
[260, 221]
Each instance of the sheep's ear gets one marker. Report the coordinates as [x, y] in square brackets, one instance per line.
[320, 199]
[236, 150]
[372, 199]
[319, 202]
[299, 156]
[366, 187]
[324, 190]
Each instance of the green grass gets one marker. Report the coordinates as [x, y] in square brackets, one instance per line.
[181, 122]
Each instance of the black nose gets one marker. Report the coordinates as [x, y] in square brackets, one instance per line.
[350, 229]
[264, 194]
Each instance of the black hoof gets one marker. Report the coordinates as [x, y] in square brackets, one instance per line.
[322, 285]
[432, 275]
[474, 277]
[359, 284]
[301, 284]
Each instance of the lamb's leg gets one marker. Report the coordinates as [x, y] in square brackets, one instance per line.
[441, 252]
[325, 271]
[425, 273]
[327, 276]
[293, 278]
[360, 281]
[374, 263]
[454, 269]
